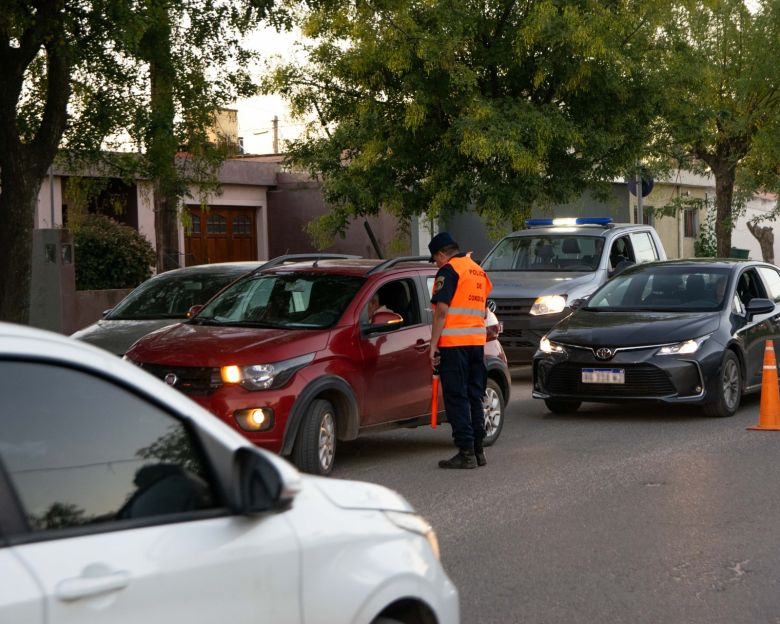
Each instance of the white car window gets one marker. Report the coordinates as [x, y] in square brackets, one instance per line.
[88, 452]
[644, 249]
[772, 281]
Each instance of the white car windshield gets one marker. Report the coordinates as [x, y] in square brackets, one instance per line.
[560, 252]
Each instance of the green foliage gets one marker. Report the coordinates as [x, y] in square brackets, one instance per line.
[705, 246]
[77, 74]
[721, 102]
[443, 106]
[110, 255]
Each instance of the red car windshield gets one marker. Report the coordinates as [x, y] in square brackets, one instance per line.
[285, 301]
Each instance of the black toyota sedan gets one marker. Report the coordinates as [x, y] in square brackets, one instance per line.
[680, 331]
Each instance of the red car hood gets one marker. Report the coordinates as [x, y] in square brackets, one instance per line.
[202, 345]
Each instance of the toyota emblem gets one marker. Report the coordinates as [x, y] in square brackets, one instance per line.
[171, 379]
[604, 353]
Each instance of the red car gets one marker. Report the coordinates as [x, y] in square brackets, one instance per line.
[289, 357]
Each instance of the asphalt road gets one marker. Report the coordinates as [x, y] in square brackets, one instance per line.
[614, 514]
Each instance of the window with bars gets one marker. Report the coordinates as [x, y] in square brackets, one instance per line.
[648, 216]
[241, 225]
[691, 217]
[217, 224]
[195, 224]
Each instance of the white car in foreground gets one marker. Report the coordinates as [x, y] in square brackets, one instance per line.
[121, 500]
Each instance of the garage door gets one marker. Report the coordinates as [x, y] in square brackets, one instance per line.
[223, 234]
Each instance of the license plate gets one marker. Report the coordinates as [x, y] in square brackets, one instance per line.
[604, 375]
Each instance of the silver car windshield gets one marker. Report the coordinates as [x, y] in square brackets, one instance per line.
[563, 252]
[170, 296]
[285, 301]
[663, 289]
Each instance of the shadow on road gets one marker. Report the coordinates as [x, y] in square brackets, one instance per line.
[638, 411]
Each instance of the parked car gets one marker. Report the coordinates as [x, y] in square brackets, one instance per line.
[682, 331]
[121, 500]
[289, 357]
[536, 272]
[160, 301]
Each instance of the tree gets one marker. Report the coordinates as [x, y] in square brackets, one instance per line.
[722, 74]
[45, 46]
[443, 106]
[182, 46]
[75, 74]
[765, 236]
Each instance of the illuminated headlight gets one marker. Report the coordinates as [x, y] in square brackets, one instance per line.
[545, 346]
[548, 304]
[264, 376]
[683, 348]
[415, 524]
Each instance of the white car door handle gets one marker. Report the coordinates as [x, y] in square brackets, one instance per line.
[88, 586]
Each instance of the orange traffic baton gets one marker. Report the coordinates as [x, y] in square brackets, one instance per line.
[769, 410]
[434, 396]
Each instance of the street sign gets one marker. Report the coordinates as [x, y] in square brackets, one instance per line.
[647, 186]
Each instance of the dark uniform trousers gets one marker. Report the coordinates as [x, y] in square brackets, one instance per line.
[463, 376]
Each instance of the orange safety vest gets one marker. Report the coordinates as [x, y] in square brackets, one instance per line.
[465, 322]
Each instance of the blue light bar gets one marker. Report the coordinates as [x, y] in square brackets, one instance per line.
[569, 221]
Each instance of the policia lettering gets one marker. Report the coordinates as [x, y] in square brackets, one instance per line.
[465, 322]
[458, 338]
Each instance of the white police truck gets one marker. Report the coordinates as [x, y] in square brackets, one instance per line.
[537, 272]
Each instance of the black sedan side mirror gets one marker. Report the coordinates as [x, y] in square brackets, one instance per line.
[759, 305]
[576, 304]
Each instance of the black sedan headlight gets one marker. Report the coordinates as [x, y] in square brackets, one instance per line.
[546, 346]
[686, 347]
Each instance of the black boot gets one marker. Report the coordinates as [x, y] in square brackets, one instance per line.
[479, 453]
[464, 459]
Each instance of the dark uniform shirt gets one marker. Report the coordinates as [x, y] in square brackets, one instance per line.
[445, 284]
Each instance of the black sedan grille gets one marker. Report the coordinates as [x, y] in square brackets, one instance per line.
[192, 380]
[642, 380]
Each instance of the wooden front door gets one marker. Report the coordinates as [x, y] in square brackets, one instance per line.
[221, 234]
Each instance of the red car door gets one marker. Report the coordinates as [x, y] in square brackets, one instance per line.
[395, 361]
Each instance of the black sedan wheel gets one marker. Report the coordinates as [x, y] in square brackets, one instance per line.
[728, 390]
[557, 406]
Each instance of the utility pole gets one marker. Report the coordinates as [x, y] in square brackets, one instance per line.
[640, 217]
[276, 134]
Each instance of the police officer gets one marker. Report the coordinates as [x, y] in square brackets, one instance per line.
[460, 294]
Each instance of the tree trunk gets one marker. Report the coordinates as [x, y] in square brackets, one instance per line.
[724, 194]
[17, 207]
[24, 164]
[766, 238]
[162, 145]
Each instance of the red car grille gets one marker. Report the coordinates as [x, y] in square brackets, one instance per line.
[192, 380]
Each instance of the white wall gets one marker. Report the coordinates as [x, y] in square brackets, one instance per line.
[43, 214]
[761, 204]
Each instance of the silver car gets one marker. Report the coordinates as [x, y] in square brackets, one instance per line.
[160, 301]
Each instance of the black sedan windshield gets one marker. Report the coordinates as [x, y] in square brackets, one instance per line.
[664, 288]
[286, 301]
